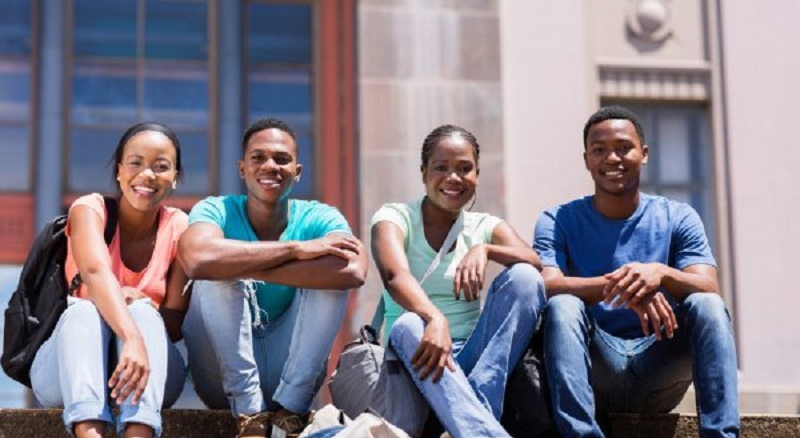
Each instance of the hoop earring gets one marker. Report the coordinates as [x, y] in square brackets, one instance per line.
[474, 198]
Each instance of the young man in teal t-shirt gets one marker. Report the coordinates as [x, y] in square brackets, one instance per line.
[271, 275]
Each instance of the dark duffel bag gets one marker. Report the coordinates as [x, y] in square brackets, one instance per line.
[526, 410]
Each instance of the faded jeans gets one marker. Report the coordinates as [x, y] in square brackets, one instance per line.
[591, 370]
[71, 369]
[243, 365]
[469, 401]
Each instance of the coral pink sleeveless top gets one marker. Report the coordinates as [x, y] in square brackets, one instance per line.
[152, 280]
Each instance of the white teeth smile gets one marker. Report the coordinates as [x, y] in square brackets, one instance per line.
[143, 189]
[613, 173]
[269, 182]
[452, 192]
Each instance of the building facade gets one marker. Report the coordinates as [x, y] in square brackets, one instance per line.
[364, 81]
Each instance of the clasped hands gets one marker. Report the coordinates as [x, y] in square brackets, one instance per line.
[636, 285]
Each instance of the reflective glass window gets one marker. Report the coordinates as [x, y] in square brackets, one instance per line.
[280, 75]
[15, 28]
[176, 30]
[90, 156]
[104, 29]
[136, 60]
[15, 95]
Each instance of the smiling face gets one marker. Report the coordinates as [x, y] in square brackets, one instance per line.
[451, 173]
[614, 157]
[147, 171]
[270, 167]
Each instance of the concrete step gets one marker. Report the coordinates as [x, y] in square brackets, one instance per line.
[178, 423]
[685, 426]
[199, 423]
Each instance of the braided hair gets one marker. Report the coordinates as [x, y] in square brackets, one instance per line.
[443, 132]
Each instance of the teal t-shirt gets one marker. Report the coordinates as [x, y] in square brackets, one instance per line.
[478, 228]
[308, 220]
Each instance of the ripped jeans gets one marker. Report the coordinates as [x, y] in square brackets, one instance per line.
[240, 364]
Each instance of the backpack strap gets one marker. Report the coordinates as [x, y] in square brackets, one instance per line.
[112, 216]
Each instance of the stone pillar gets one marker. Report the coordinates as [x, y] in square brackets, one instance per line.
[50, 156]
[229, 111]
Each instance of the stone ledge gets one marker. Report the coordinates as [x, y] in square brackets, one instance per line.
[685, 426]
[178, 423]
[198, 423]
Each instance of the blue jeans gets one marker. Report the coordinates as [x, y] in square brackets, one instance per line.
[591, 370]
[241, 365]
[469, 401]
[71, 369]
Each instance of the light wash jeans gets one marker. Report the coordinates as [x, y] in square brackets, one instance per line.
[588, 369]
[242, 365]
[469, 401]
[71, 369]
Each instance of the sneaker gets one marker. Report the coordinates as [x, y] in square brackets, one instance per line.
[286, 424]
[253, 426]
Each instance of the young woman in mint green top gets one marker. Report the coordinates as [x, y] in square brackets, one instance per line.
[459, 355]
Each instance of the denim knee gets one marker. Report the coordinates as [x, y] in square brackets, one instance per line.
[407, 333]
[83, 311]
[82, 321]
[143, 312]
[527, 284]
[706, 307]
[564, 310]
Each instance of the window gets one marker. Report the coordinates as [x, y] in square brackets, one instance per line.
[137, 60]
[126, 61]
[679, 164]
[16, 50]
[280, 74]
[15, 95]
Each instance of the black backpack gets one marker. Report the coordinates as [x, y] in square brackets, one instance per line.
[526, 407]
[41, 295]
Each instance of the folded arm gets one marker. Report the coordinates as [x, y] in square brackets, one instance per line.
[336, 261]
[633, 282]
[206, 254]
[505, 248]
[589, 289]
[324, 272]
[652, 311]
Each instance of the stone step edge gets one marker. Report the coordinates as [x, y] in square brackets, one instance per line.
[202, 423]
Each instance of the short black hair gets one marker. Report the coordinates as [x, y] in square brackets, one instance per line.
[142, 127]
[444, 131]
[613, 112]
[263, 124]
